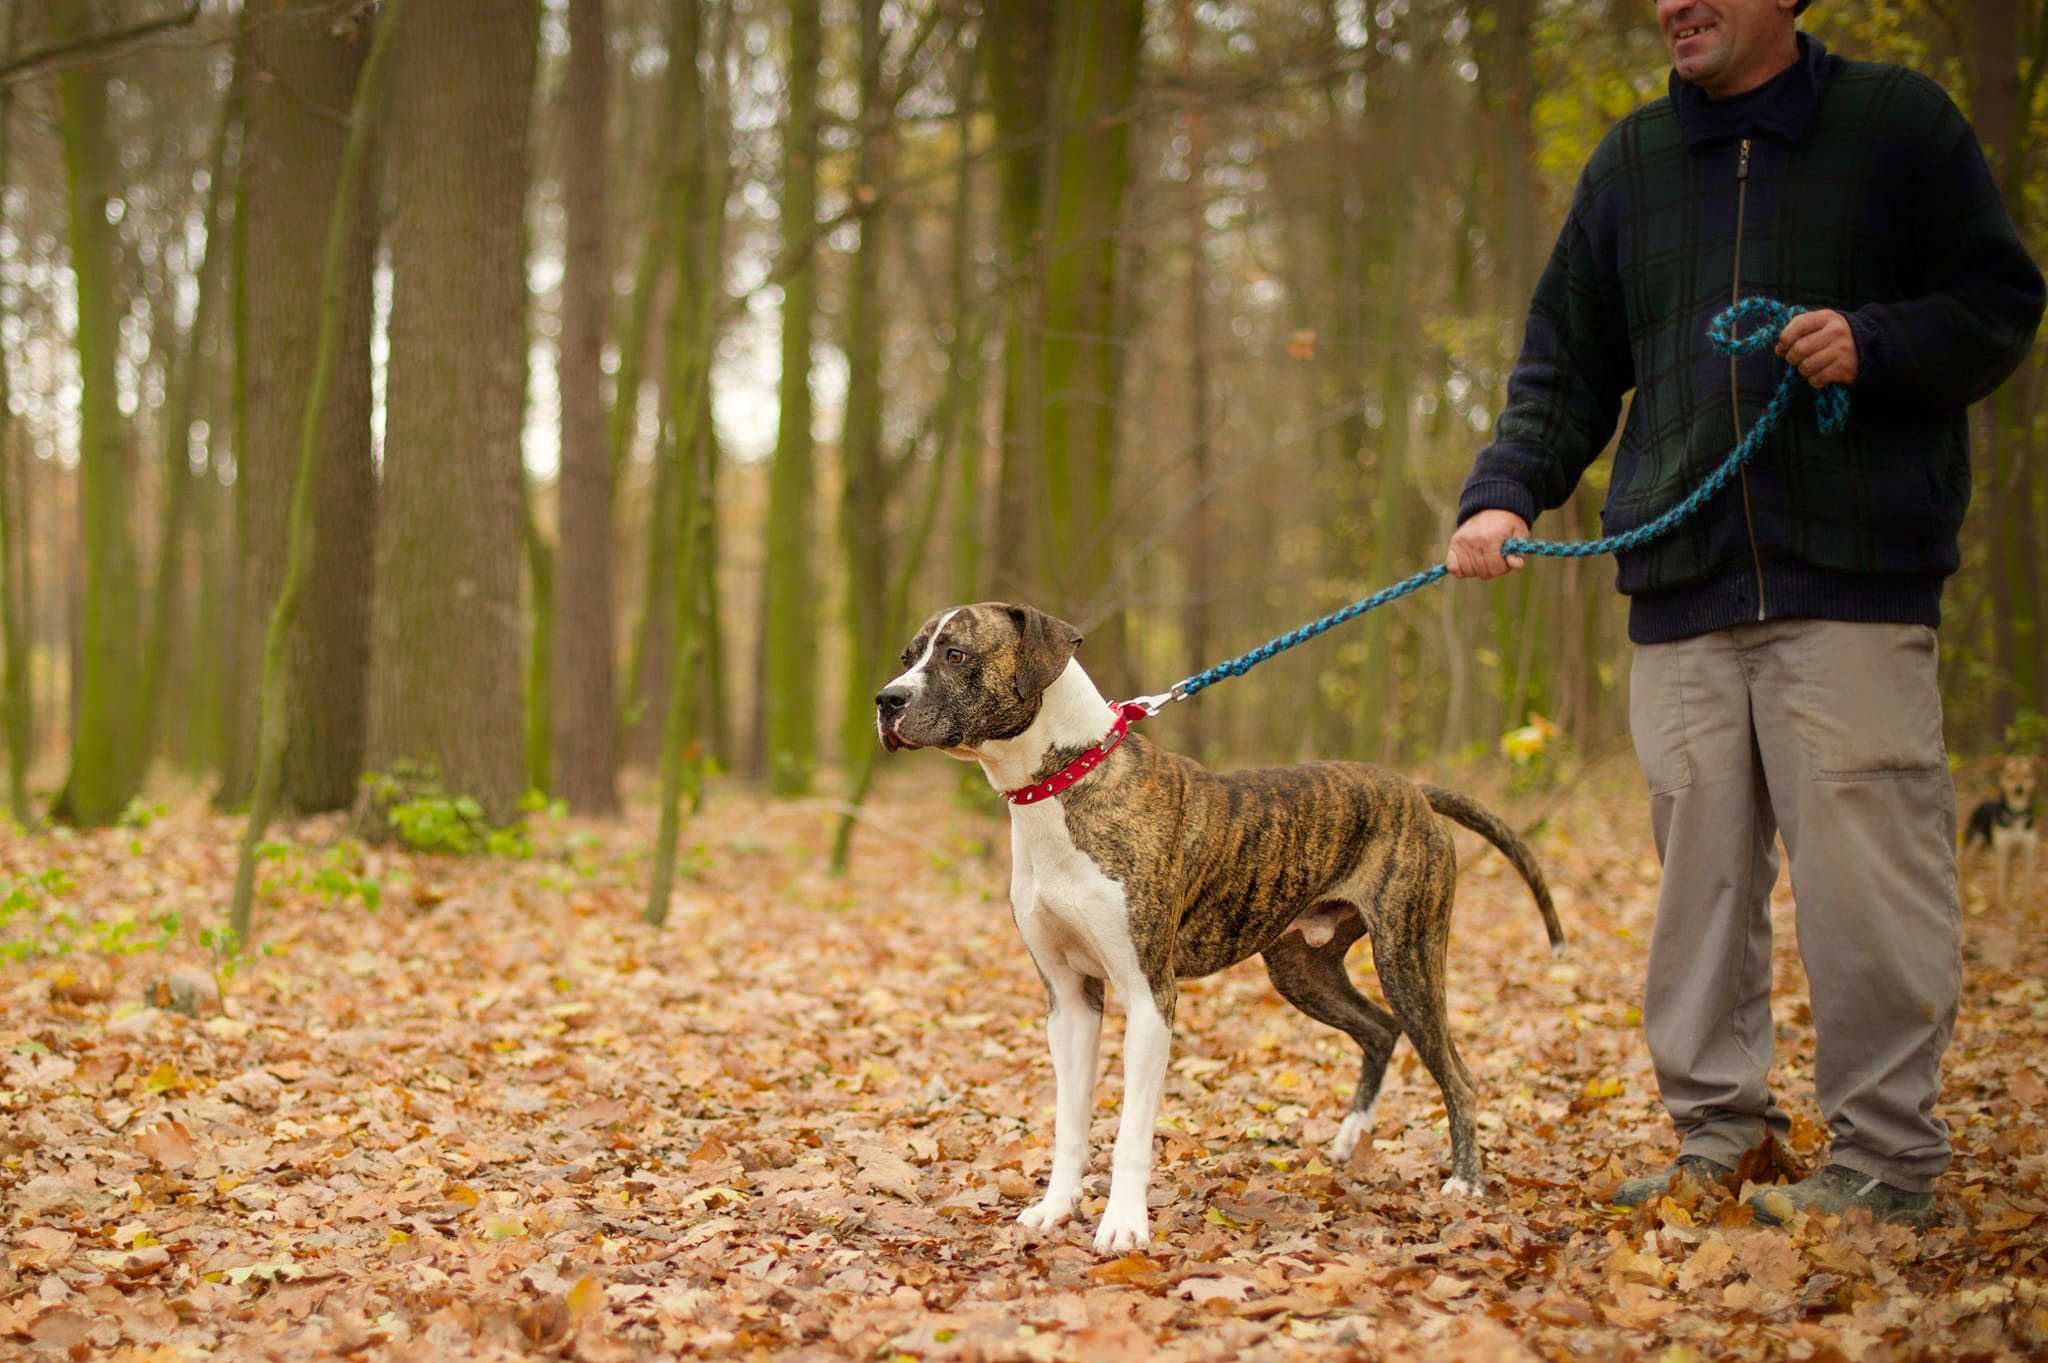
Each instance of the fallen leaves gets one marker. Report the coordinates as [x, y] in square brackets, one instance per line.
[802, 1121]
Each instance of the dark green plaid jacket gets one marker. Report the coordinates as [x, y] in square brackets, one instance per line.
[1845, 185]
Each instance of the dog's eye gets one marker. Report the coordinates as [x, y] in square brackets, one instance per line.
[956, 656]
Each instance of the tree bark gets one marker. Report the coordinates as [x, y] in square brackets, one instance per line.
[586, 761]
[15, 716]
[1095, 71]
[445, 697]
[306, 63]
[184, 384]
[272, 702]
[1018, 47]
[790, 695]
[104, 771]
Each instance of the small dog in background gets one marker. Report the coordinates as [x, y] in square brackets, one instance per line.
[2005, 825]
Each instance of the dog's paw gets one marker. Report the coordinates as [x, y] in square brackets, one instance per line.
[1122, 1230]
[1046, 1213]
[1460, 1187]
[1357, 1126]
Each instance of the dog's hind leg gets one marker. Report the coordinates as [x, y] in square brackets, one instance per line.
[1314, 980]
[1410, 963]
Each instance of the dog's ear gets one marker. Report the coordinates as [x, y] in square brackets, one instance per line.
[1045, 644]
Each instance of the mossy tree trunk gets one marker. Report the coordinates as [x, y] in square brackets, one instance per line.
[105, 770]
[305, 64]
[1017, 47]
[446, 643]
[15, 716]
[1095, 72]
[789, 692]
[273, 702]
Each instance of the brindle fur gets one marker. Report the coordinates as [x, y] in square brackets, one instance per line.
[1218, 868]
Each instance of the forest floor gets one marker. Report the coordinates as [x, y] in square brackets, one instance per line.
[475, 1109]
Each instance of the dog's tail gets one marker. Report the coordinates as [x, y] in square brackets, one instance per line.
[1483, 821]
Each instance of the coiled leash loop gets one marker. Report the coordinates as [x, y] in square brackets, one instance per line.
[1765, 316]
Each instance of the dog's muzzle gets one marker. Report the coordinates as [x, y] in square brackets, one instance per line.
[890, 703]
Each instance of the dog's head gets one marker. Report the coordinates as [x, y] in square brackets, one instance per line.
[2017, 777]
[973, 674]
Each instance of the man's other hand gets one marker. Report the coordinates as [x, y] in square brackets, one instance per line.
[1820, 346]
[1475, 548]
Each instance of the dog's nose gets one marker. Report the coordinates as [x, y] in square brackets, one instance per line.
[890, 700]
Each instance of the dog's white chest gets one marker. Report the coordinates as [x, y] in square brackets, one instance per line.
[2005, 838]
[1065, 902]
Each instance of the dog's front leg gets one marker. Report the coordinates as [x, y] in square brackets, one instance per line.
[1073, 1029]
[1148, 1040]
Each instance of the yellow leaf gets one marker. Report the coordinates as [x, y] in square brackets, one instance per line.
[394, 1236]
[511, 1227]
[461, 1192]
[1215, 1216]
[1603, 1088]
[586, 1299]
[227, 1183]
[164, 1078]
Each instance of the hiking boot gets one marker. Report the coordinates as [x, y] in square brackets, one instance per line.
[1699, 1168]
[1837, 1189]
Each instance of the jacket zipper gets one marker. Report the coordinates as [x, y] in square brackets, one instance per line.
[1734, 391]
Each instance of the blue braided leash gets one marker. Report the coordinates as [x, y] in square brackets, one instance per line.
[1770, 317]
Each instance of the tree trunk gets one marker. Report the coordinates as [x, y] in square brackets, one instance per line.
[15, 718]
[1199, 558]
[1018, 43]
[306, 64]
[586, 765]
[272, 724]
[791, 728]
[445, 697]
[105, 772]
[1095, 70]
[864, 495]
[698, 213]
[184, 384]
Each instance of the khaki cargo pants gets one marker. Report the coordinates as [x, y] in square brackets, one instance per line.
[1831, 734]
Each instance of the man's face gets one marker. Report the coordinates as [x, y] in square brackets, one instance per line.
[1727, 46]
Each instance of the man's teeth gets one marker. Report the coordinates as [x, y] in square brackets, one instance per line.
[1684, 33]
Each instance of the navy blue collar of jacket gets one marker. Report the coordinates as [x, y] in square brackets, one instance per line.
[1783, 106]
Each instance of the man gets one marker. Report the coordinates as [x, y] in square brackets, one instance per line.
[1784, 676]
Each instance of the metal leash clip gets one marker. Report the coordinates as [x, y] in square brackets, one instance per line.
[1154, 704]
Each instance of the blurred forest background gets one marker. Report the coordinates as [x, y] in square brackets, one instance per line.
[673, 358]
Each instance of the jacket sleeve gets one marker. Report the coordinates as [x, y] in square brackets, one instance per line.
[1566, 389]
[1975, 322]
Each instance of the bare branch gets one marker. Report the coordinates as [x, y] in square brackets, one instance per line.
[84, 51]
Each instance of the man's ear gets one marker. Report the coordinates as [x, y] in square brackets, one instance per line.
[1045, 644]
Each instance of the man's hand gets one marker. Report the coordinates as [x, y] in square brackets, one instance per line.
[1820, 346]
[1475, 548]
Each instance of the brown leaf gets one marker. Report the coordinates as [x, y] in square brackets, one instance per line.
[168, 1144]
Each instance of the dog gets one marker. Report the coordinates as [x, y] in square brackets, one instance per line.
[1137, 868]
[2004, 825]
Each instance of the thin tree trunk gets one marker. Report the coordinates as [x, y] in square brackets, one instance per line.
[790, 690]
[178, 478]
[445, 695]
[698, 213]
[14, 698]
[586, 735]
[864, 492]
[104, 770]
[272, 701]
[1199, 559]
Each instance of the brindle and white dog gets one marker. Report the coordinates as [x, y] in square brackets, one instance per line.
[1151, 870]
